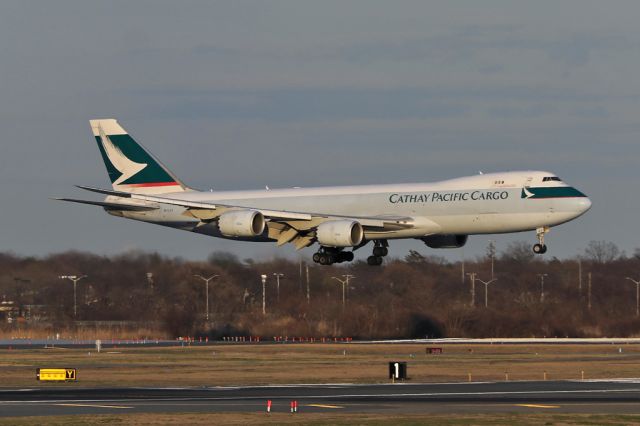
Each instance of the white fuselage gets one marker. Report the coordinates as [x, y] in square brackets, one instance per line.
[481, 204]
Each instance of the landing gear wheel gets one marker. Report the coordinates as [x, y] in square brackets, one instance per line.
[539, 249]
[345, 256]
[380, 251]
[331, 255]
[325, 259]
[374, 260]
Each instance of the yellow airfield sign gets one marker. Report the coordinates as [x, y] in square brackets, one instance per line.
[56, 374]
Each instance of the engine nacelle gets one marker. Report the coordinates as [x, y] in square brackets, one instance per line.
[445, 241]
[241, 223]
[340, 233]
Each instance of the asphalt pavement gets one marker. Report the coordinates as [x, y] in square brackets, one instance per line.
[620, 396]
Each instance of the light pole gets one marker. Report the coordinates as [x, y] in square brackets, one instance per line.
[277, 275]
[308, 286]
[486, 290]
[206, 280]
[462, 263]
[345, 283]
[491, 249]
[300, 276]
[74, 279]
[472, 275]
[264, 284]
[542, 287]
[637, 283]
[589, 290]
[579, 278]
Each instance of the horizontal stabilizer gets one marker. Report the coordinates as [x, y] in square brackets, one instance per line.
[105, 191]
[110, 206]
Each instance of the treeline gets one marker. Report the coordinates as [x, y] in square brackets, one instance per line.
[417, 296]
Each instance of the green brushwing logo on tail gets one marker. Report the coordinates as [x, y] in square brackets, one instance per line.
[129, 164]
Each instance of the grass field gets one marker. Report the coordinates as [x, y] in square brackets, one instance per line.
[320, 363]
[333, 419]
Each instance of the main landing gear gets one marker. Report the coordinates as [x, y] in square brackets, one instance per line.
[329, 256]
[540, 248]
[380, 249]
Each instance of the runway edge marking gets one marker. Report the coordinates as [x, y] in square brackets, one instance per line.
[537, 406]
[324, 406]
[92, 405]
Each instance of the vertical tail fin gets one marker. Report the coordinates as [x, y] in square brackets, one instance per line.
[130, 166]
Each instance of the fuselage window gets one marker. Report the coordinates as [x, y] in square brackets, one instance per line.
[551, 178]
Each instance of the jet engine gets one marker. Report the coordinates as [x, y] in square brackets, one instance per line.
[445, 241]
[340, 233]
[241, 223]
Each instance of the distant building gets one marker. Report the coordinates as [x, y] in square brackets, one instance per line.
[8, 311]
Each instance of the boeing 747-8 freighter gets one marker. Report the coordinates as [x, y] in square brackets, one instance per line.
[339, 219]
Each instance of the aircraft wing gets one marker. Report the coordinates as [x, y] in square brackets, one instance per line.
[284, 226]
[110, 206]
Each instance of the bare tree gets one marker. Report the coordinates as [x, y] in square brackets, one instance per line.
[518, 251]
[601, 251]
[397, 300]
[490, 251]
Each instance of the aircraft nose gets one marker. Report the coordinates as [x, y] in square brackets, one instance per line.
[584, 204]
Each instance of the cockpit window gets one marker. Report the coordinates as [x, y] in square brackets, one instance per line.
[551, 178]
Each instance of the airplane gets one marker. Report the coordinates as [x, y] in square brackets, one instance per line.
[340, 219]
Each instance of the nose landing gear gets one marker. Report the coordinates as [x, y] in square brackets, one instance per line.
[541, 248]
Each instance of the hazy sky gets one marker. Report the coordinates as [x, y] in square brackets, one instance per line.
[240, 94]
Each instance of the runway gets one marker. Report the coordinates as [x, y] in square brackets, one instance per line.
[620, 396]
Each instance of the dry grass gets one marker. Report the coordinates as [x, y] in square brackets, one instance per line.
[333, 419]
[83, 333]
[318, 363]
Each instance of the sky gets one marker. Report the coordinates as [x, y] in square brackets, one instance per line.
[243, 94]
